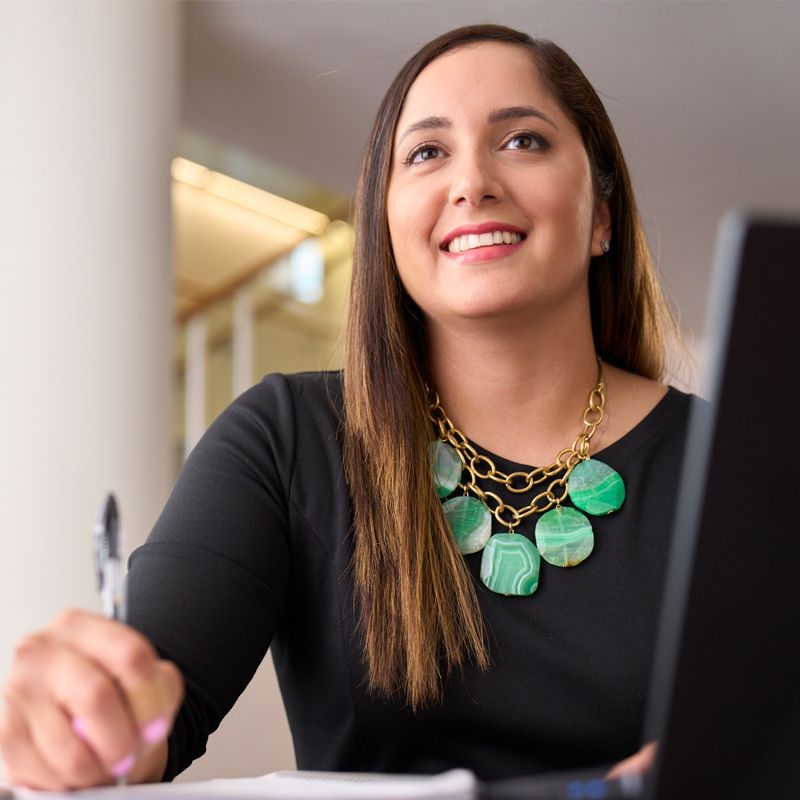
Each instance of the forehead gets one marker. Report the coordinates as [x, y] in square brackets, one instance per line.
[474, 76]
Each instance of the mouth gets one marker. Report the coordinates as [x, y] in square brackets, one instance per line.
[487, 235]
[472, 241]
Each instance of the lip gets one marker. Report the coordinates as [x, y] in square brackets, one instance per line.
[483, 227]
[482, 255]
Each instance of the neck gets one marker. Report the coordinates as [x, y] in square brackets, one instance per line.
[518, 393]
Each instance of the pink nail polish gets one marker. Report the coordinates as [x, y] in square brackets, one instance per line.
[155, 730]
[79, 728]
[123, 766]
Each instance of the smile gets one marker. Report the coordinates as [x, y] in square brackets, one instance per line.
[472, 241]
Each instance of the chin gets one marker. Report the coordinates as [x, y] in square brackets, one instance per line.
[483, 309]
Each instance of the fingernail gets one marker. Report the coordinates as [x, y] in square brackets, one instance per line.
[155, 730]
[79, 727]
[123, 766]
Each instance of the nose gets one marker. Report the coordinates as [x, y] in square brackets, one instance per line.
[475, 182]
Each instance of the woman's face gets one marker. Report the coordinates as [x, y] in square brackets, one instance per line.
[490, 202]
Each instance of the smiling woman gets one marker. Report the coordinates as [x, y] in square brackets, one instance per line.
[505, 346]
[499, 254]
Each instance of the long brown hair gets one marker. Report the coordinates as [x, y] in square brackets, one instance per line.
[419, 616]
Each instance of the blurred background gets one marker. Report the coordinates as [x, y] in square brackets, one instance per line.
[175, 189]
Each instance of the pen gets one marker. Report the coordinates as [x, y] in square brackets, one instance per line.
[107, 545]
[108, 560]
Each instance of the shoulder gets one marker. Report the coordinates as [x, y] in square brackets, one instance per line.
[284, 395]
[277, 412]
[285, 420]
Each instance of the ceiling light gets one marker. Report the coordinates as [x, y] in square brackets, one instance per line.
[250, 197]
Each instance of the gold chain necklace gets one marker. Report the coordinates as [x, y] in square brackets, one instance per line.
[510, 562]
[478, 465]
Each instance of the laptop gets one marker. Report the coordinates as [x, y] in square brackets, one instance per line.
[724, 702]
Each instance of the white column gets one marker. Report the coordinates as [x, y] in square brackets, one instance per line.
[242, 337]
[195, 382]
[88, 93]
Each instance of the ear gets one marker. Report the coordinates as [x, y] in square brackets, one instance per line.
[602, 227]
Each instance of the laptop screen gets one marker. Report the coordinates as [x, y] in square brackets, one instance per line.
[725, 694]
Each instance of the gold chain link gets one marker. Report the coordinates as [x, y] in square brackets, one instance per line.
[477, 465]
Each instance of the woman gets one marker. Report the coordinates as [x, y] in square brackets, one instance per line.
[502, 288]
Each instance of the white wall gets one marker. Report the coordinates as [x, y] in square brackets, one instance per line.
[89, 99]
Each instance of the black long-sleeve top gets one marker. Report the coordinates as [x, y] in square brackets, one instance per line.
[252, 551]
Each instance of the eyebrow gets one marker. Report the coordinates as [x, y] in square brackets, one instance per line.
[501, 115]
[429, 123]
[516, 112]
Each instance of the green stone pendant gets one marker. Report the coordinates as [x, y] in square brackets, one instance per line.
[470, 521]
[564, 537]
[595, 488]
[446, 467]
[510, 564]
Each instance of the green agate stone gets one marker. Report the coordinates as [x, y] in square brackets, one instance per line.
[446, 467]
[564, 537]
[470, 521]
[595, 488]
[510, 564]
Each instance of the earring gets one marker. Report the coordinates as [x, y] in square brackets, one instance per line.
[604, 245]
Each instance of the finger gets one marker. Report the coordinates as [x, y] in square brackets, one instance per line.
[37, 662]
[124, 652]
[24, 765]
[98, 711]
[638, 763]
[66, 754]
[131, 660]
[51, 682]
[151, 709]
[172, 681]
[161, 702]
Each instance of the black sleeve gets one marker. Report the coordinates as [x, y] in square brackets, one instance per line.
[209, 586]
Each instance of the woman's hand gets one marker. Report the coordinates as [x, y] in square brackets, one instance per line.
[87, 700]
[640, 762]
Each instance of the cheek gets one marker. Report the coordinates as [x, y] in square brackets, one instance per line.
[583, 215]
[398, 241]
[409, 231]
[572, 207]
[398, 237]
[583, 202]
[397, 214]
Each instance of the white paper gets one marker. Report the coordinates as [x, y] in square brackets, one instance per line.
[457, 784]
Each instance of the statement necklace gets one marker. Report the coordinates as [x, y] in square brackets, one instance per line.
[564, 537]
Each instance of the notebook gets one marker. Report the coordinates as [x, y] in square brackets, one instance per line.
[725, 690]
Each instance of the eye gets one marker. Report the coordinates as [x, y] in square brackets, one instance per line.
[527, 140]
[424, 152]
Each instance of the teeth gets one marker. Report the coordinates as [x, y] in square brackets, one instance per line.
[472, 240]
